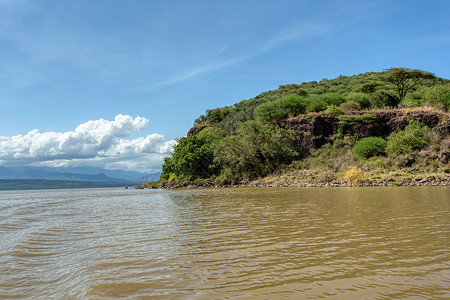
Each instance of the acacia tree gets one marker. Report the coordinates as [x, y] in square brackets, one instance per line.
[406, 79]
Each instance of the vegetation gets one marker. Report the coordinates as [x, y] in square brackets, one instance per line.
[253, 141]
[255, 150]
[406, 79]
[277, 110]
[415, 137]
[370, 146]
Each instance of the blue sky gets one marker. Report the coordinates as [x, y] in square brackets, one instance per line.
[115, 63]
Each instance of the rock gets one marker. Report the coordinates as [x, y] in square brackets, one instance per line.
[318, 129]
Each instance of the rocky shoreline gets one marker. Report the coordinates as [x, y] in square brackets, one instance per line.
[419, 181]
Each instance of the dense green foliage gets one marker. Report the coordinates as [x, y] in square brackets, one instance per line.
[414, 137]
[256, 150]
[370, 146]
[382, 99]
[192, 158]
[245, 141]
[277, 110]
[437, 95]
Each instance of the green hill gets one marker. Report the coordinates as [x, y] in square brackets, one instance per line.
[377, 125]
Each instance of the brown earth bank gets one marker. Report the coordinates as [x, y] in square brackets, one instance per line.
[315, 130]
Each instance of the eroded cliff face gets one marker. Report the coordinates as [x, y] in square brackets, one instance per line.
[316, 129]
[197, 128]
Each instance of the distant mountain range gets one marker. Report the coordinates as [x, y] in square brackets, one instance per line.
[38, 184]
[76, 174]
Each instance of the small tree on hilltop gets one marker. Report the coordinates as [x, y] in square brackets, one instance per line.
[406, 79]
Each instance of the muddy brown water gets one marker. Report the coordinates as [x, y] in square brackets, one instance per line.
[250, 243]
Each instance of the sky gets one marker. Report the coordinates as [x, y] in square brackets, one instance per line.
[113, 83]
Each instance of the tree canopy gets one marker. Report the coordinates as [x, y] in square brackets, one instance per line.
[406, 79]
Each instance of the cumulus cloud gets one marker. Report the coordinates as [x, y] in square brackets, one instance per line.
[98, 142]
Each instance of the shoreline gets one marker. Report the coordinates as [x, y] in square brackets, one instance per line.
[425, 181]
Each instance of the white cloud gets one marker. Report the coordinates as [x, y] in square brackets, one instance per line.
[99, 142]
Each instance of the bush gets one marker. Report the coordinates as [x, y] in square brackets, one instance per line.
[293, 89]
[353, 175]
[381, 99]
[270, 112]
[332, 98]
[360, 98]
[445, 101]
[192, 158]
[370, 87]
[438, 95]
[411, 139]
[333, 111]
[218, 114]
[370, 146]
[316, 104]
[256, 150]
[293, 104]
[350, 105]
[277, 110]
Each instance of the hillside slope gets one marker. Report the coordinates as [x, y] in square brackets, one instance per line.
[391, 125]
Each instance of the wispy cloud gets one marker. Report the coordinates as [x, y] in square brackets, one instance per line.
[192, 73]
[293, 33]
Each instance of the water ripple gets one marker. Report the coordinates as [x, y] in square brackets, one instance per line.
[227, 243]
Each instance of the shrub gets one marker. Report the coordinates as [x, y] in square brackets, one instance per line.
[438, 95]
[200, 120]
[292, 104]
[316, 104]
[409, 140]
[353, 175]
[333, 111]
[333, 98]
[381, 99]
[326, 176]
[256, 150]
[445, 101]
[370, 87]
[218, 114]
[350, 105]
[271, 112]
[360, 98]
[292, 89]
[192, 158]
[370, 146]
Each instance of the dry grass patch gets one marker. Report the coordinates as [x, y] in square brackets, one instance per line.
[353, 175]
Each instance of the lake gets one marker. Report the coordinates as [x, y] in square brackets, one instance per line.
[261, 243]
